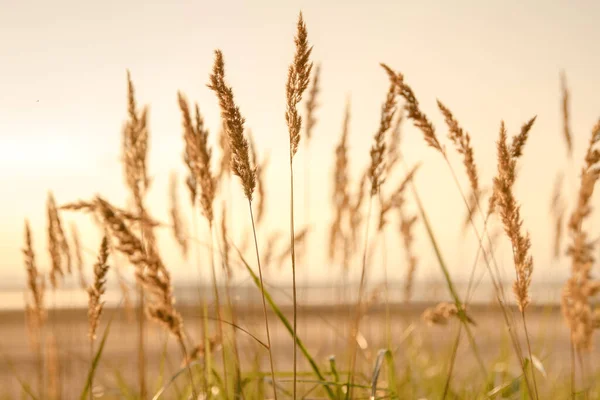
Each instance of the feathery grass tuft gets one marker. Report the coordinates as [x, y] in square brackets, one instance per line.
[234, 123]
[97, 289]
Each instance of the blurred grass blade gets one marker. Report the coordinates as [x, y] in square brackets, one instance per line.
[461, 312]
[124, 389]
[384, 355]
[160, 380]
[392, 384]
[376, 371]
[539, 366]
[507, 389]
[96, 361]
[336, 376]
[173, 378]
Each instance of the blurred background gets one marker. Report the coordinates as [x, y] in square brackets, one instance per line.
[63, 105]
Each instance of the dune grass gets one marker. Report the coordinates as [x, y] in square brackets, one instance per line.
[403, 365]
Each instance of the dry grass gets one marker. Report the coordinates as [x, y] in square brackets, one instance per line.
[510, 214]
[57, 244]
[95, 291]
[581, 287]
[234, 122]
[132, 234]
[340, 195]
[177, 222]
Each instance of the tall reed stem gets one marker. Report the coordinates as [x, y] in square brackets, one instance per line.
[40, 361]
[141, 345]
[91, 366]
[361, 288]
[293, 256]
[237, 378]
[218, 307]
[264, 301]
[202, 297]
[142, 318]
[572, 370]
[530, 355]
[189, 368]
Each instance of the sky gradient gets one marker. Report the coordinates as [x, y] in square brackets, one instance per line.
[63, 103]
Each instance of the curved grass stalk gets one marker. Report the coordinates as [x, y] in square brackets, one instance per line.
[264, 304]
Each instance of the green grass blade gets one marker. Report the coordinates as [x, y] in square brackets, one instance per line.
[392, 384]
[465, 320]
[336, 376]
[95, 362]
[376, 371]
[172, 379]
[124, 388]
[287, 325]
[384, 355]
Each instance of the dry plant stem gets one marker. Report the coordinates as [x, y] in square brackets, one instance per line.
[91, 377]
[388, 327]
[388, 331]
[40, 364]
[452, 359]
[141, 331]
[233, 321]
[535, 389]
[497, 289]
[361, 289]
[184, 354]
[264, 302]
[141, 344]
[583, 375]
[572, 370]
[218, 306]
[293, 256]
[202, 297]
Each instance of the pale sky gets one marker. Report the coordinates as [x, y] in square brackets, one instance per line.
[63, 102]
